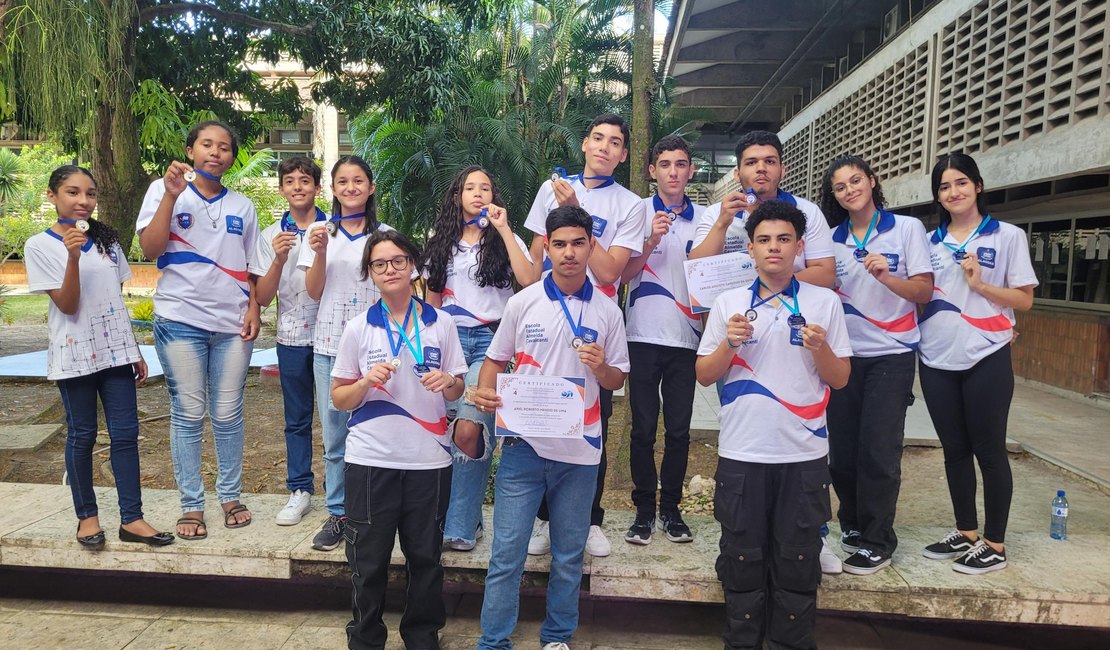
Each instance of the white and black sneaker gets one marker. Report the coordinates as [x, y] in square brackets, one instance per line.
[640, 531]
[849, 541]
[982, 558]
[950, 547]
[864, 562]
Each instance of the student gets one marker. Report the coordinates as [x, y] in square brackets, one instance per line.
[471, 261]
[781, 345]
[663, 337]
[299, 183]
[982, 274]
[79, 263]
[205, 316]
[541, 327]
[618, 218]
[882, 273]
[334, 275]
[396, 364]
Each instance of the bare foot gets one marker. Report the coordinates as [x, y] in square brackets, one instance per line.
[88, 526]
[239, 518]
[190, 529]
[140, 527]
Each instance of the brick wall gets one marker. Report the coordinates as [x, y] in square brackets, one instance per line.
[1066, 349]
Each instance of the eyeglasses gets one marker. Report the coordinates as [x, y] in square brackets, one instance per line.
[399, 264]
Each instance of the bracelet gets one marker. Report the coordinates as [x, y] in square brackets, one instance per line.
[730, 345]
[454, 380]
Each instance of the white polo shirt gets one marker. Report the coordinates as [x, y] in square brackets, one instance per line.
[296, 324]
[617, 213]
[880, 322]
[400, 424]
[658, 301]
[204, 269]
[818, 236]
[469, 304]
[345, 293]
[534, 331]
[99, 335]
[960, 326]
[773, 402]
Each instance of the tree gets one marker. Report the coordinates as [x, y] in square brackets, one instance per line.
[11, 178]
[70, 68]
[643, 92]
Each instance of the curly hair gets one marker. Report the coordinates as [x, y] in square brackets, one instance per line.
[835, 213]
[101, 234]
[494, 267]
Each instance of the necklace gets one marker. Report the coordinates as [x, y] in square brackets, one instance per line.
[219, 208]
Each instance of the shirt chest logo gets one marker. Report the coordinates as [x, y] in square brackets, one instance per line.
[234, 224]
[892, 261]
[986, 257]
[535, 333]
[184, 220]
[599, 225]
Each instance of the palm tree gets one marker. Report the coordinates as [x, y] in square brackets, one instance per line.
[11, 177]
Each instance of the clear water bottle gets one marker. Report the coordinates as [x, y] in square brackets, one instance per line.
[1059, 527]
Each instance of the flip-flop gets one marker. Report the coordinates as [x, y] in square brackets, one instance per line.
[199, 523]
[229, 516]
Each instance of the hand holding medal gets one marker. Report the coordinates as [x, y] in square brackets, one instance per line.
[740, 329]
[591, 355]
[660, 226]
[378, 374]
[813, 337]
[177, 178]
[972, 271]
[878, 266]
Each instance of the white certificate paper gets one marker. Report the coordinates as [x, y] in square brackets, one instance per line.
[709, 277]
[539, 406]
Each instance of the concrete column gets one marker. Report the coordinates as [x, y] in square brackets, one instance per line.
[325, 140]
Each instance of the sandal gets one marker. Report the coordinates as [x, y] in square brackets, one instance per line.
[193, 521]
[229, 516]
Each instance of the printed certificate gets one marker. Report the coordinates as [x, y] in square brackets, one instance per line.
[538, 406]
[709, 277]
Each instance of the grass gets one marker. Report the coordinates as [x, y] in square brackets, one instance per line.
[31, 309]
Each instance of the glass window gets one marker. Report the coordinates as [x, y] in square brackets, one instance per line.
[1091, 273]
[290, 137]
[1050, 248]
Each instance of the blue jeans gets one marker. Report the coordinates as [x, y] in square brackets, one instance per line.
[334, 424]
[295, 366]
[469, 476]
[523, 480]
[116, 387]
[205, 373]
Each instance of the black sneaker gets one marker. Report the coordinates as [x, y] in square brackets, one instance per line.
[864, 562]
[640, 531]
[982, 558]
[950, 547]
[676, 530]
[849, 541]
[331, 534]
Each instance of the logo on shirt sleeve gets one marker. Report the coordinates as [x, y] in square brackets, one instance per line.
[234, 225]
[892, 261]
[599, 225]
[986, 257]
[184, 220]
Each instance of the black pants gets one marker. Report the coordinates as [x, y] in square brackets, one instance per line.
[969, 409]
[597, 513]
[867, 420]
[769, 565]
[655, 368]
[380, 504]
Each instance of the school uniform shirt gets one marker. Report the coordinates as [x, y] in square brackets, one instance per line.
[658, 301]
[535, 332]
[296, 325]
[880, 321]
[400, 424]
[617, 213]
[345, 293]
[204, 268]
[960, 326]
[469, 304]
[773, 402]
[818, 237]
[99, 335]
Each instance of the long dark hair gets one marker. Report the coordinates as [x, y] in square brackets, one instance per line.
[370, 223]
[494, 268]
[835, 213]
[101, 234]
[963, 163]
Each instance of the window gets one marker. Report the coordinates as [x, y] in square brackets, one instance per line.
[290, 137]
[1091, 273]
[1050, 244]
[1072, 260]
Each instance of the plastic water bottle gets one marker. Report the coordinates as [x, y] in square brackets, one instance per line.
[1059, 527]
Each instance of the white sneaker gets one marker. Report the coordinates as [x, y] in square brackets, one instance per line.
[556, 645]
[830, 562]
[597, 544]
[540, 542]
[300, 502]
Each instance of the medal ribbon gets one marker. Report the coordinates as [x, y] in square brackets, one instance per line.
[794, 310]
[575, 329]
[944, 234]
[481, 215]
[201, 172]
[288, 225]
[608, 180]
[418, 356]
[862, 246]
[69, 221]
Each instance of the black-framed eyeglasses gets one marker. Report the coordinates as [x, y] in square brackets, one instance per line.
[400, 263]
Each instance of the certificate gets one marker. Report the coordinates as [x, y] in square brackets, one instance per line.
[709, 277]
[539, 406]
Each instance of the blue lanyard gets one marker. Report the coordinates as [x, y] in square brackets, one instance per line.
[562, 173]
[575, 329]
[418, 351]
[288, 225]
[201, 172]
[794, 310]
[959, 252]
[482, 220]
[861, 246]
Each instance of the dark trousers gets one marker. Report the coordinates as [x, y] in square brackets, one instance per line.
[867, 421]
[769, 566]
[970, 409]
[655, 369]
[297, 392]
[597, 513]
[380, 504]
[116, 388]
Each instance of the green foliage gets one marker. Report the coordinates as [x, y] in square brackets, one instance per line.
[5, 309]
[26, 213]
[12, 179]
[143, 311]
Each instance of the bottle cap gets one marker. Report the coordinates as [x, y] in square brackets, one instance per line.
[1060, 493]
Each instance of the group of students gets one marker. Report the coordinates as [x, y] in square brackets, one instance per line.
[814, 363]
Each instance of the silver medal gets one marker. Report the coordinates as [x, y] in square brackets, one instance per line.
[330, 227]
[483, 222]
[81, 225]
[190, 176]
[554, 177]
[395, 362]
[577, 342]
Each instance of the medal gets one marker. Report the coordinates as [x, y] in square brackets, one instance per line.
[287, 224]
[796, 321]
[860, 254]
[861, 246]
[751, 314]
[554, 177]
[395, 362]
[750, 196]
[421, 369]
[577, 342]
[330, 227]
[959, 256]
[81, 225]
[482, 220]
[189, 176]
